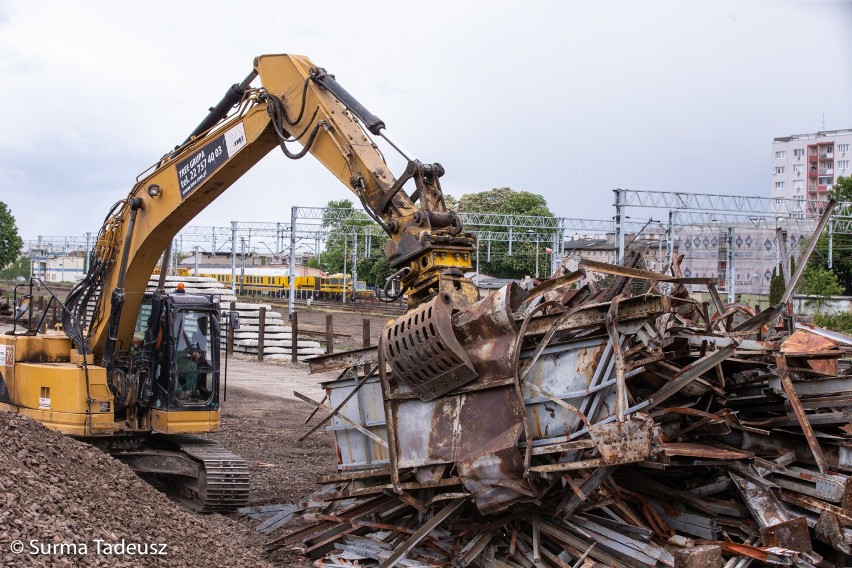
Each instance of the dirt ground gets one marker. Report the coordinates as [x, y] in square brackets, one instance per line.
[262, 420]
[265, 430]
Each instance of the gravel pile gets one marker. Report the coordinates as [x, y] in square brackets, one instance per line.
[69, 504]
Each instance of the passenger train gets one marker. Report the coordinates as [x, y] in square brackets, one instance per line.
[275, 282]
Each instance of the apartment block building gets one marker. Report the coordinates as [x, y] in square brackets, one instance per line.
[806, 166]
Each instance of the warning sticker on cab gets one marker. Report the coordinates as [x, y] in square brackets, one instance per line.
[193, 170]
[7, 354]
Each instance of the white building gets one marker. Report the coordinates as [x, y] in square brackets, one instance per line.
[59, 268]
[806, 166]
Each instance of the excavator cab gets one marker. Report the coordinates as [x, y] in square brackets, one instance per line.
[183, 346]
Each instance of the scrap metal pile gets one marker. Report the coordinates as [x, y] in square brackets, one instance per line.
[576, 426]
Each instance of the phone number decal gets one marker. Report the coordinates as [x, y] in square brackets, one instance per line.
[193, 170]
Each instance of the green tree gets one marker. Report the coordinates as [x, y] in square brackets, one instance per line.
[820, 282]
[340, 222]
[842, 190]
[527, 242]
[451, 202]
[776, 287]
[20, 267]
[10, 241]
[841, 243]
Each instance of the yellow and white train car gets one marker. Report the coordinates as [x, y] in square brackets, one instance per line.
[275, 282]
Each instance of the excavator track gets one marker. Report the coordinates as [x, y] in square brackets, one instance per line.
[225, 473]
[193, 470]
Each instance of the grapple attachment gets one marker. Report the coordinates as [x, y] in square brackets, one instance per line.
[423, 351]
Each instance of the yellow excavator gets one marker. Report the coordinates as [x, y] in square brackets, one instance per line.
[137, 373]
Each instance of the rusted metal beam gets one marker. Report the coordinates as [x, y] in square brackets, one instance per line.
[619, 270]
[421, 533]
[618, 354]
[690, 373]
[474, 548]
[717, 299]
[344, 359]
[571, 502]
[334, 412]
[350, 475]
[801, 416]
[777, 526]
[379, 489]
[355, 425]
[594, 315]
[702, 556]
[760, 319]
[354, 512]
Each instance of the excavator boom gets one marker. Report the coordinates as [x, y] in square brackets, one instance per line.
[301, 109]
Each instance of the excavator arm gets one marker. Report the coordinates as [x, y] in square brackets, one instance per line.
[301, 109]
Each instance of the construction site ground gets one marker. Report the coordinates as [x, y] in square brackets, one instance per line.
[265, 430]
[262, 421]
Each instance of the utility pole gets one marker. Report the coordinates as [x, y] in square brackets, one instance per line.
[291, 310]
[354, 263]
[830, 242]
[88, 252]
[178, 252]
[510, 235]
[234, 256]
[64, 254]
[556, 258]
[536, 255]
[730, 268]
[619, 225]
[196, 260]
[670, 240]
[345, 254]
[33, 271]
[242, 264]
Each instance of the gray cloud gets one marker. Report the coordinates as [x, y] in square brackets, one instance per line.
[564, 99]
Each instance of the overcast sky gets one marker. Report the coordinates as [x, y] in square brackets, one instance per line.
[565, 99]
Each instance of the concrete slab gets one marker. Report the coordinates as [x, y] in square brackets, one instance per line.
[275, 378]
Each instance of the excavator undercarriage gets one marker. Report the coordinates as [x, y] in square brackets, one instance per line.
[194, 470]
